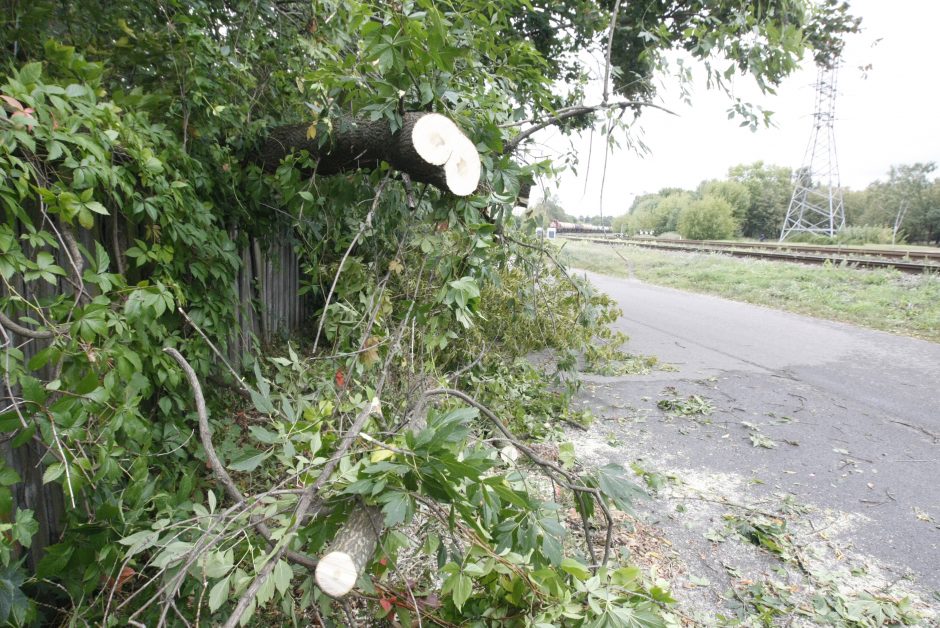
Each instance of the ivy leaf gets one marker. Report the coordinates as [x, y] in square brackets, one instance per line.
[85, 218]
[12, 600]
[24, 528]
[98, 208]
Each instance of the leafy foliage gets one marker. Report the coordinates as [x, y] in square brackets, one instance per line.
[130, 186]
[709, 218]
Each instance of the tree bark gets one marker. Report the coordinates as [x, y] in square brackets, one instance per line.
[354, 144]
[350, 551]
[355, 542]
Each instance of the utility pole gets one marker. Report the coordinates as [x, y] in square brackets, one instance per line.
[816, 205]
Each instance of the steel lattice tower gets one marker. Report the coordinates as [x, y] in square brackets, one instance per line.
[816, 205]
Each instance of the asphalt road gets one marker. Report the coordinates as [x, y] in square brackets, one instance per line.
[852, 413]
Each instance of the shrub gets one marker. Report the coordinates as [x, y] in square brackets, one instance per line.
[709, 218]
[866, 234]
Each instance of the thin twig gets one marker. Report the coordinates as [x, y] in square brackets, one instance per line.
[218, 469]
[215, 349]
[610, 48]
[18, 329]
[571, 112]
[366, 224]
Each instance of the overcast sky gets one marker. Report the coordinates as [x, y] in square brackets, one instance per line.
[889, 114]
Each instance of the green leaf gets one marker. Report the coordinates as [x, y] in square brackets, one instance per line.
[218, 594]
[264, 436]
[397, 508]
[461, 590]
[613, 483]
[216, 564]
[55, 560]
[575, 568]
[262, 403]
[30, 72]
[173, 552]
[8, 477]
[98, 208]
[566, 455]
[12, 600]
[53, 472]
[139, 541]
[248, 461]
[25, 527]
[85, 218]
[282, 576]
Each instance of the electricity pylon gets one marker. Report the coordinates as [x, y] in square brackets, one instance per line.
[816, 205]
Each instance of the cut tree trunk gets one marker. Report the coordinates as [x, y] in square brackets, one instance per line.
[350, 551]
[355, 542]
[357, 144]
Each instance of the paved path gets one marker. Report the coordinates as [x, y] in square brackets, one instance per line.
[854, 413]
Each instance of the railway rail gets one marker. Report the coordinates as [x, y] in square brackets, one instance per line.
[905, 261]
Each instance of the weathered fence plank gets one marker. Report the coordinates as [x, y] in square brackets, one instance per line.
[269, 308]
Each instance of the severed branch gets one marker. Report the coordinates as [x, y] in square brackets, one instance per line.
[429, 147]
[219, 470]
[18, 329]
[350, 551]
[355, 543]
[303, 506]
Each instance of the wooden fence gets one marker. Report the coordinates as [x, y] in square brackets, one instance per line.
[269, 307]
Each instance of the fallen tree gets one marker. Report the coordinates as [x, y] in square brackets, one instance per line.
[428, 147]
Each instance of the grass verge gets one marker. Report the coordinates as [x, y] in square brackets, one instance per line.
[880, 299]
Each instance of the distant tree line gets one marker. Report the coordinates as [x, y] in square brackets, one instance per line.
[752, 202]
[550, 208]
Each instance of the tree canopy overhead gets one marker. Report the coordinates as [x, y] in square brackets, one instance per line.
[150, 149]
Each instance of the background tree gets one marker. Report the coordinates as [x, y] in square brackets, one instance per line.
[659, 212]
[907, 187]
[708, 218]
[549, 209]
[736, 193]
[770, 189]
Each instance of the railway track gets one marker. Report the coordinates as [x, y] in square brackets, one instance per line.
[905, 261]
